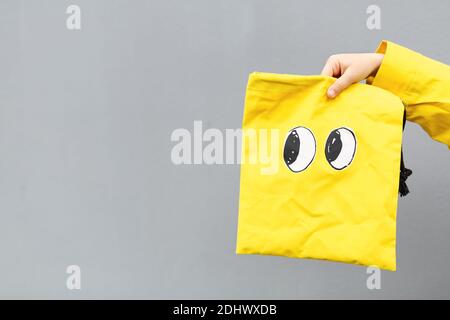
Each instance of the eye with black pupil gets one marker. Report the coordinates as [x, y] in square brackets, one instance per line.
[299, 149]
[291, 148]
[333, 146]
[340, 148]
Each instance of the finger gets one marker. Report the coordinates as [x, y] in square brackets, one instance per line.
[328, 69]
[340, 84]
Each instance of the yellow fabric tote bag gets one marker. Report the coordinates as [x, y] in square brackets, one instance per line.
[319, 177]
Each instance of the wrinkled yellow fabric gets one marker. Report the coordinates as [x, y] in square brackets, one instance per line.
[422, 83]
[346, 215]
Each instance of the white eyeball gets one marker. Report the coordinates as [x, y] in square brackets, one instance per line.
[340, 148]
[299, 149]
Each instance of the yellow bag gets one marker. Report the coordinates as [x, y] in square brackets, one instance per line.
[325, 181]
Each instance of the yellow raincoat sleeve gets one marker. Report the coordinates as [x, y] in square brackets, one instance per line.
[422, 83]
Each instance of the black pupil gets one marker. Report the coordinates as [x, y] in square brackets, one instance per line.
[333, 146]
[291, 147]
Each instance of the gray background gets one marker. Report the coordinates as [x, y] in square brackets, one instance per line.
[85, 170]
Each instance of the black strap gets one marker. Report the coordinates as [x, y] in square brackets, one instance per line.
[404, 172]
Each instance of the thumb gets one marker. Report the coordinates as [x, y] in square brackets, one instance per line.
[340, 84]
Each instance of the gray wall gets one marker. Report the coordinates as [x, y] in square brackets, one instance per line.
[85, 170]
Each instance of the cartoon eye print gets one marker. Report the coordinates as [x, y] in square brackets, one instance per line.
[299, 149]
[340, 148]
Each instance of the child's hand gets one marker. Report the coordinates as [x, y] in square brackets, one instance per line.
[350, 68]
